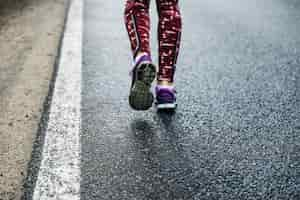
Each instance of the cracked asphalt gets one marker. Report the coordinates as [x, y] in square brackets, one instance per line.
[236, 133]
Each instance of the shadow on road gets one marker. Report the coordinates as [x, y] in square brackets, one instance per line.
[167, 173]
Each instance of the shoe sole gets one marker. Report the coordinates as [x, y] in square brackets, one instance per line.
[166, 106]
[141, 97]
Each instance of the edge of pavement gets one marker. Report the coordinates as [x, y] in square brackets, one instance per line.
[37, 149]
[37, 154]
[30, 42]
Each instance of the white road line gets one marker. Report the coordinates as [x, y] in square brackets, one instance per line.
[59, 174]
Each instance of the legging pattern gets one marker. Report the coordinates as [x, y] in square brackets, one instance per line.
[137, 22]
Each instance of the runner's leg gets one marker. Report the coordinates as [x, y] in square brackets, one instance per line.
[138, 26]
[169, 35]
[137, 22]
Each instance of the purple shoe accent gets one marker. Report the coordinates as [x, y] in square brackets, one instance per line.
[165, 95]
[143, 59]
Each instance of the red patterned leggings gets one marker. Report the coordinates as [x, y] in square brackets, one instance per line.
[137, 22]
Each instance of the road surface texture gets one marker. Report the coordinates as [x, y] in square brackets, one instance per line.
[236, 133]
[29, 36]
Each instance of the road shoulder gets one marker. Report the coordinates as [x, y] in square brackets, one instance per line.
[29, 40]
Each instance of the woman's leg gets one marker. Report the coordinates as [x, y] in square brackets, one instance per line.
[169, 35]
[137, 22]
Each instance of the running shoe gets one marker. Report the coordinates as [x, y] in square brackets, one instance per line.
[165, 97]
[143, 74]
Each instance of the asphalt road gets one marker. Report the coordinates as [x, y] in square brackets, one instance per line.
[236, 133]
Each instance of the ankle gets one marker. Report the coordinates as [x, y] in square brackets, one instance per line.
[165, 83]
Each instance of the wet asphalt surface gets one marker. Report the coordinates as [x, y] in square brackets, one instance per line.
[236, 133]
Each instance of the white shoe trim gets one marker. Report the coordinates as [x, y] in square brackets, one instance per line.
[166, 106]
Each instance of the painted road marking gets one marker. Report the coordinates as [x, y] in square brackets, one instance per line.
[59, 174]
